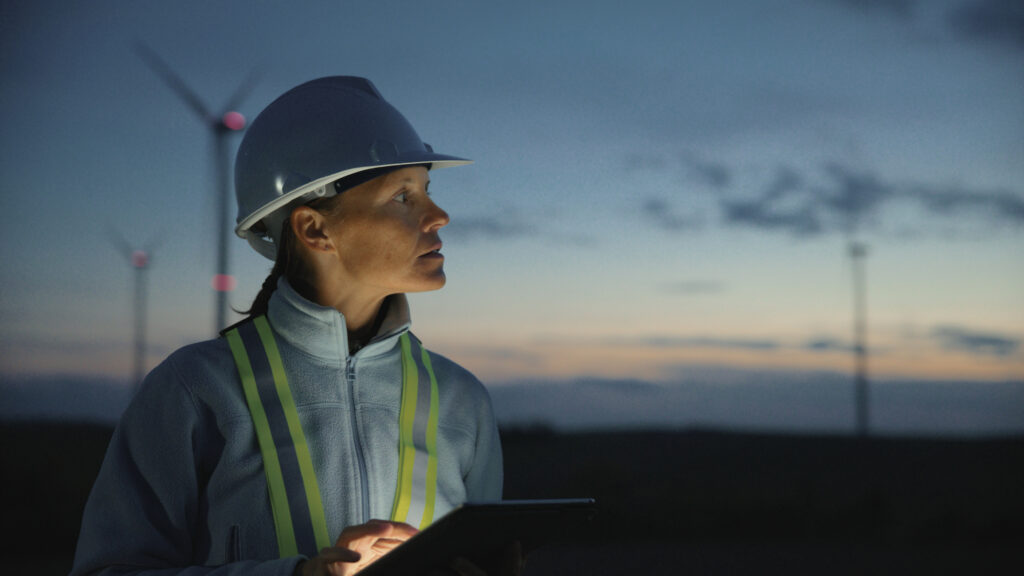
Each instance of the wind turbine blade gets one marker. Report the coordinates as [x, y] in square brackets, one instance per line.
[175, 82]
[119, 241]
[243, 89]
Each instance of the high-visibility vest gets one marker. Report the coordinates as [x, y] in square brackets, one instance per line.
[291, 480]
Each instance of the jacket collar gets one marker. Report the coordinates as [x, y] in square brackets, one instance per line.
[321, 331]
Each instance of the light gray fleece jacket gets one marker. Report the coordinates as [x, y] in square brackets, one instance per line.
[182, 488]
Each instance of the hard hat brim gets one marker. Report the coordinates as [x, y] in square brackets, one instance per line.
[321, 188]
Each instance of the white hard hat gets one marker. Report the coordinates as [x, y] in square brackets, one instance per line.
[311, 136]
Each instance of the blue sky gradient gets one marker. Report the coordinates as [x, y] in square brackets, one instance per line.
[659, 186]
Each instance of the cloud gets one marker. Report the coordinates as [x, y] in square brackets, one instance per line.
[713, 174]
[977, 343]
[849, 199]
[828, 344]
[998, 205]
[856, 195]
[784, 205]
[700, 342]
[493, 227]
[706, 172]
[999, 21]
[661, 213]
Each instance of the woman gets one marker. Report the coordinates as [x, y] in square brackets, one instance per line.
[318, 434]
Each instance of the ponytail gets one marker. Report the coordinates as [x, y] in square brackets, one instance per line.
[289, 264]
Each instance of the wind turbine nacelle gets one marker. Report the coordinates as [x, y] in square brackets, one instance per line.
[140, 259]
[233, 121]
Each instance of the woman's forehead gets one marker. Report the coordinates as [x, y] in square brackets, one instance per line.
[408, 175]
[385, 184]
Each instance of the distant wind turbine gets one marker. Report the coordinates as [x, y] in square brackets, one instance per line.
[222, 125]
[858, 252]
[140, 261]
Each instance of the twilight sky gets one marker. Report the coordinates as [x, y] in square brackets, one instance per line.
[658, 186]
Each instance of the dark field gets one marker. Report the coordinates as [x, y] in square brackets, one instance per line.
[669, 502]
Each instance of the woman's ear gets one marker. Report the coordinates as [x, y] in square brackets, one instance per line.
[308, 225]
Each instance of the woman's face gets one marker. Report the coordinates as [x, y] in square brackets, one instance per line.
[385, 234]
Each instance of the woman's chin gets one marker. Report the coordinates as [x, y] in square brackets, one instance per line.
[434, 281]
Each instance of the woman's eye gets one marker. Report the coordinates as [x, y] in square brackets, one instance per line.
[401, 197]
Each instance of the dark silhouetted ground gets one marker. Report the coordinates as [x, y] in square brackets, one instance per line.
[670, 502]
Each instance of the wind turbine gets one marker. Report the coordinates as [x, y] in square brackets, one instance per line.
[140, 261]
[858, 251]
[221, 126]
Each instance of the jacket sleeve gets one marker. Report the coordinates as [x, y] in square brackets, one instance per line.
[143, 515]
[485, 478]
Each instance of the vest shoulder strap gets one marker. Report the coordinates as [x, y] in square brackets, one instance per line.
[416, 492]
[295, 500]
[294, 492]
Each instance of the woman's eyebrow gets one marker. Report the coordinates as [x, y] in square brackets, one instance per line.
[411, 180]
[414, 181]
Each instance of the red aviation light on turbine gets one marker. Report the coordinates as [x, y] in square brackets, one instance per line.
[224, 283]
[140, 259]
[233, 121]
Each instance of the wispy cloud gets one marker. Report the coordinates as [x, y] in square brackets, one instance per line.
[701, 342]
[979, 343]
[997, 21]
[663, 215]
[994, 204]
[855, 197]
[784, 205]
[828, 344]
[709, 173]
[850, 199]
[488, 226]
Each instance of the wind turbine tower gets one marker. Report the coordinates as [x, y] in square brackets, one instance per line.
[222, 126]
[140, 260]
[858, 252]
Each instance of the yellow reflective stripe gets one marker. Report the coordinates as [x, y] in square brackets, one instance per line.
[275, 481]
[406, 449]
[431, 488]
[291, 415]
[406, 421]
[416, 461]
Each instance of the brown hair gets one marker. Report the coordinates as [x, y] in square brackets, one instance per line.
[290, 263]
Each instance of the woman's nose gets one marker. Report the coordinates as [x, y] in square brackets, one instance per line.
[436, 218]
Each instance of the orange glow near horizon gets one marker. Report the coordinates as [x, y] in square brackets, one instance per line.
[567, 361]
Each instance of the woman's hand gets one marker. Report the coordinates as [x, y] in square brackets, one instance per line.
[323, 564]
[371, 541]
[358, 547]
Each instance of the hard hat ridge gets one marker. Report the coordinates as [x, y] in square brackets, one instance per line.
[318, 132]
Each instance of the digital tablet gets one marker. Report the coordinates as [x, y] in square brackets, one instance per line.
[479, 531]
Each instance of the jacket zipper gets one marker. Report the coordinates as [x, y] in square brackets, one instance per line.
[364, 483]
